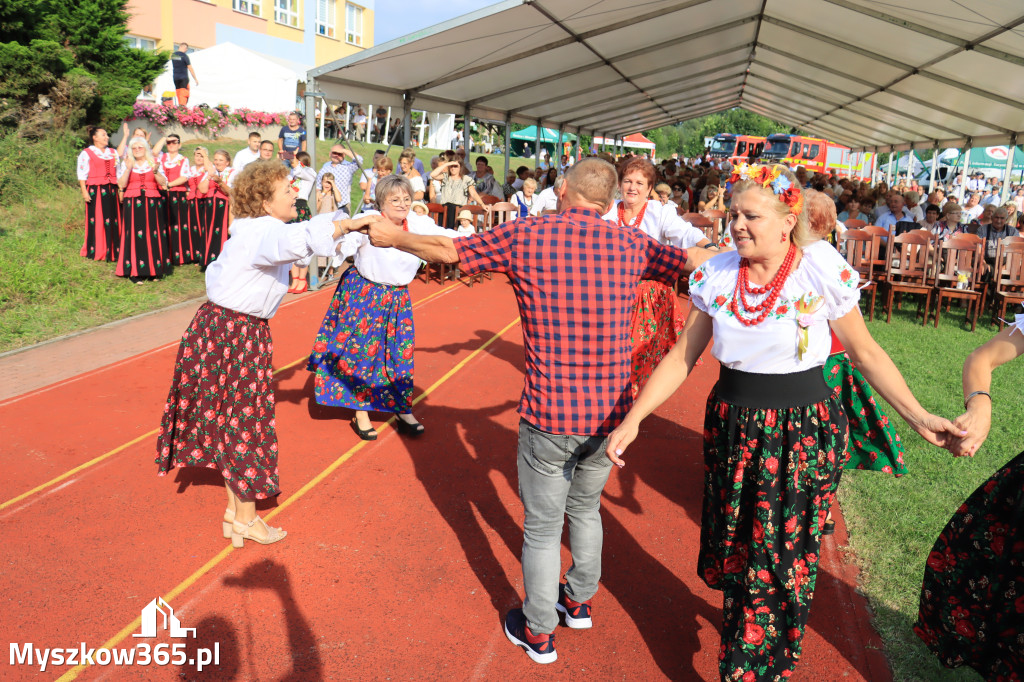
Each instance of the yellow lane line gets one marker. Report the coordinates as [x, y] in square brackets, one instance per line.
[73, 673]
[81, 467]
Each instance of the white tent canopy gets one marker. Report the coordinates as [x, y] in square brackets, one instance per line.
[232, 75]
[866, 74]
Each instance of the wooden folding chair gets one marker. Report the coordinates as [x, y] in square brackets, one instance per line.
[443, 271]
[702, 223]
[958, 255]
[860, 249]
[854, 224]
[488, 199]
[436, 213]
[718, 219]
[1008, 278]
[501, 212]
[480, 219]
[907, 271]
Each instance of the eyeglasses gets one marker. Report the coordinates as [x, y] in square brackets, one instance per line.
[335, 153]
[173, 142]
[400, 201]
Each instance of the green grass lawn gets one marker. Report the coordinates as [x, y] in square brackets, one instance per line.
[894, 521]
[47, 290]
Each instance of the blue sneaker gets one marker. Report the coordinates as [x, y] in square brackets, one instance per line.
[577, 614]
[541, 648]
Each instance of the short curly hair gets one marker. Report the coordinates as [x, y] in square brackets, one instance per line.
[638, 165]
[254, 186]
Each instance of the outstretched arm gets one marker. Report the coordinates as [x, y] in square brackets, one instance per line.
[666, 379]
[977, 420]
[431, 248]
[878, 368]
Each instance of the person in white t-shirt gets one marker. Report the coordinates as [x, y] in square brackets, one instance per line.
[775, 435]
[548, 198]
[246, 155]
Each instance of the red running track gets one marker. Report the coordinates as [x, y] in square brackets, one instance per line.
[402, 556]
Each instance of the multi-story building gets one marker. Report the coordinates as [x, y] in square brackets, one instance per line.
[299, 33]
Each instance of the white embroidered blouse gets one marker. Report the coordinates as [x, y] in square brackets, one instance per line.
[663, 224]
[823, 286]
[387, 266]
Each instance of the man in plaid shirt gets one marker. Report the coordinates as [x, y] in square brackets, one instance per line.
[575, 277]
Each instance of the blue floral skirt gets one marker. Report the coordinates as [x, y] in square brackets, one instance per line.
[363, 352]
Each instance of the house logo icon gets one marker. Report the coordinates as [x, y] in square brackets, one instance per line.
[170, 621]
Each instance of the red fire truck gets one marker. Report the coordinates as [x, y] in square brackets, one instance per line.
[817, 156]
[737, 148]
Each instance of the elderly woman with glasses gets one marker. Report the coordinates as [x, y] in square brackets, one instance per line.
[363, 352]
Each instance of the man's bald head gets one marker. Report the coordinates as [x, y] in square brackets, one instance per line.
[591, 182]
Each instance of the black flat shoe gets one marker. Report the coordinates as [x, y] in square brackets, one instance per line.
[368, 434]
[407, 429]
[830, 527]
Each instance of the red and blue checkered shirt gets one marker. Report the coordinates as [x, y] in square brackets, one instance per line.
[575, 278]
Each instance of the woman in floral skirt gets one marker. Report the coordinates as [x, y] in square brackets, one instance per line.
[185, 240]
[972, 600]
[774, 434]
[220, 409]
[220, 175]
[653, 323]
[363, 352]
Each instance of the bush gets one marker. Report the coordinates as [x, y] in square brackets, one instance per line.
[30, 169]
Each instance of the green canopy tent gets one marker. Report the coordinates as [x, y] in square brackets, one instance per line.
[989, 158]
[528, 137]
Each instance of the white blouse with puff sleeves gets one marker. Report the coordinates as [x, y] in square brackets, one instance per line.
[822, 278]
[663, 224]
[387, 266]
[251, 273]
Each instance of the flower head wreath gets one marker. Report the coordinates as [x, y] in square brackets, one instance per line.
[771, 177]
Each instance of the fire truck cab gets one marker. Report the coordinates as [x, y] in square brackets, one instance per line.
[737, 148]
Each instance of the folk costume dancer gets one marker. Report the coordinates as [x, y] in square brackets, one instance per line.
[182, 235]
[972, 597]
[199, 204]
[142, 253]
[774, 434]
[653, 323]
[219, 174]
[220, 408]
[363, 353]
[98, 171]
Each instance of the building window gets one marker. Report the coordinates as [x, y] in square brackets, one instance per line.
[353, 24]
[140, 43]
[287, 12]
[326, 17]
[246, 6]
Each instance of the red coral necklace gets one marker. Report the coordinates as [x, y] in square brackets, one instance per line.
[636, 221]
[773, 289]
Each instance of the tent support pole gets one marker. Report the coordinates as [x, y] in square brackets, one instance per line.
[1009, 170]
[964, 172]
[406, 120]
[323, 116]
[935, 165]
[387, 128]
[369, 121]
[311, 124]
[508, 142]
[536, 149]
[467, 131]
[558, 151]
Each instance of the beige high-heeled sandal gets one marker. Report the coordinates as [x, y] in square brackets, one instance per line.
[229, 518]
[240, 533]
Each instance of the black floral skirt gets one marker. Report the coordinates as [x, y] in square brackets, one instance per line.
[771, 465]
[972, 600]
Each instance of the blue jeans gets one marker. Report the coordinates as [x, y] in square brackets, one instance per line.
[560, 475]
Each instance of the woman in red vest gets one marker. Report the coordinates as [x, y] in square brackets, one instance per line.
[220, 174]
[186, 242]
[97, 176]
[142, 245]
[199, 202]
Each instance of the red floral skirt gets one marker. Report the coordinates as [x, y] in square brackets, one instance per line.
[972, 599]
[220, 409]
[770, 477]
[653, 325]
